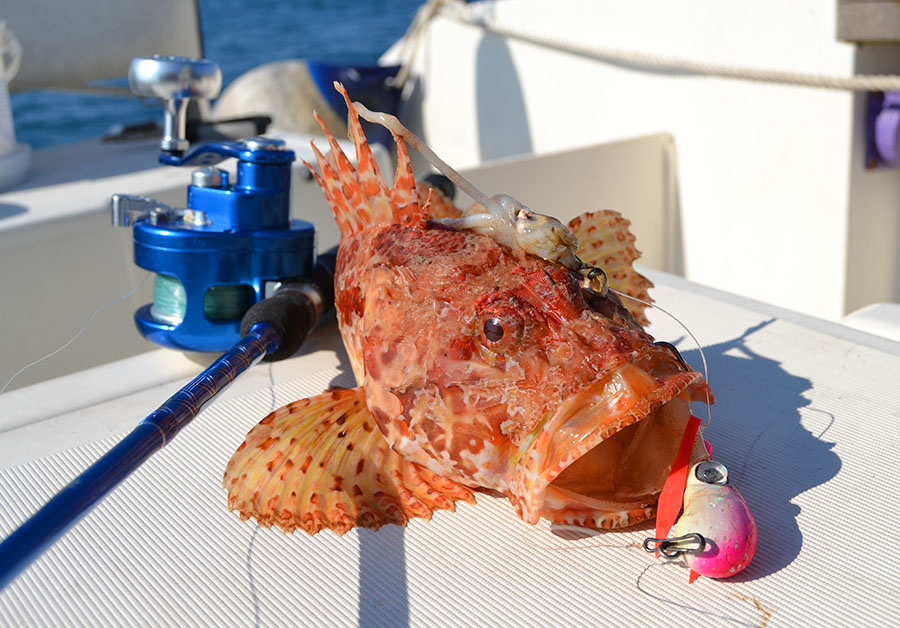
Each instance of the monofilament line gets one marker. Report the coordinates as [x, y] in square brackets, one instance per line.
[693, 337]
[76, 336]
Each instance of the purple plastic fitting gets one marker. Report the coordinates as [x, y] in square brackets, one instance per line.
[886, 131]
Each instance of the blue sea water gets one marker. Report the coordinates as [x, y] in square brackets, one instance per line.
[238, 35]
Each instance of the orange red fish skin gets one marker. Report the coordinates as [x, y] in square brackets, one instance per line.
[481, 366]
[449, 400]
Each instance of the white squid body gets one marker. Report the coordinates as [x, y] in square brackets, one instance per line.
[716, 510]
[501, 217]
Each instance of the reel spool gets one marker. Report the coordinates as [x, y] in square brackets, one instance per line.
[225, 251]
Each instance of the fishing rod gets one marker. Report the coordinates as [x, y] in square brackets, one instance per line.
[272, 329]
[234, 274]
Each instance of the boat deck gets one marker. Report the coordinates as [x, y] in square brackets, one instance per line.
[805, 419]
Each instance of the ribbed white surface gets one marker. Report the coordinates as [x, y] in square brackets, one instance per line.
[806, 422]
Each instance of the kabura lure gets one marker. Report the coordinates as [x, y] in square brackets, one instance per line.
[716, 533]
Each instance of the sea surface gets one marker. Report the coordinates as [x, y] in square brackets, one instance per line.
[238, 35]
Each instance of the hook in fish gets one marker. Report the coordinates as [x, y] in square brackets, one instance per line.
[676, 352]
[595, 278]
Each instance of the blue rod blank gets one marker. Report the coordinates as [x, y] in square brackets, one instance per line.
[71, 503]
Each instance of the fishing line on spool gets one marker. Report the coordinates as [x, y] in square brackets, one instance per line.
[78, 334]
[220, 302]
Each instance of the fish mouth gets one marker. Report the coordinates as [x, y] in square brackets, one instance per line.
[602, 458]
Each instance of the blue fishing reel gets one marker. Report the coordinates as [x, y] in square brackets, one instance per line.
[233, 242]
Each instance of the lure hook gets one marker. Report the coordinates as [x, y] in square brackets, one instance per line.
[594, 278]
[675, 351]
[673, 547]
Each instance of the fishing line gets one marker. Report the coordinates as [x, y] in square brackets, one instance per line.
[254, 594]
[76, 336]
[638, 583]
[682, 605]
[585, 533]
[693, 337]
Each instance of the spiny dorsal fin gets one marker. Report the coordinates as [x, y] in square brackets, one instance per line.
[359, 197]
[322, 463]
[604, 240]
[403, 193]
[441, 206]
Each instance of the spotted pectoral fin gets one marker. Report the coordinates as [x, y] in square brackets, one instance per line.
[322, 463]
[605, 240]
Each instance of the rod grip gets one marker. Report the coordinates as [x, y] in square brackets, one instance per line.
[295, 308]
[291, 311]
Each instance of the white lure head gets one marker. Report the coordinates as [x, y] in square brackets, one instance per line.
[716, 510]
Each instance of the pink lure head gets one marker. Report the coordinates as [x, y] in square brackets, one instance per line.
[716, 510]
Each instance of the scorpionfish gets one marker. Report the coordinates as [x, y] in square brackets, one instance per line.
[481, 367]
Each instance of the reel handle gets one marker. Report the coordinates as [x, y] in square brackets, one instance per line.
[176, 80]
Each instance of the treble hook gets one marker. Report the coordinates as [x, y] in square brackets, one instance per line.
[674, 547]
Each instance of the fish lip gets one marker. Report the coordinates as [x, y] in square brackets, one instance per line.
[551, 449]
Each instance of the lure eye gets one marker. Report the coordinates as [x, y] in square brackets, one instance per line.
[493, 330]
[710, 472]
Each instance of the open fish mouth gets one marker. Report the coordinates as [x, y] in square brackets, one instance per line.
[601, 460]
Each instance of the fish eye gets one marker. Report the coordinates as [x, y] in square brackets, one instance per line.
[710, 472]
[500, 327]
[493, 329]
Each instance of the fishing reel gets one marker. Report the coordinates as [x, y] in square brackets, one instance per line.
[234, 242]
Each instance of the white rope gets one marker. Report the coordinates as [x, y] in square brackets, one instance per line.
[880, 83]
[414, 34]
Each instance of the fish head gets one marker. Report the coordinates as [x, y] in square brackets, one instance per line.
[495, 368]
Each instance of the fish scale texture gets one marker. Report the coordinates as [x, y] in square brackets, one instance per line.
[805, 421]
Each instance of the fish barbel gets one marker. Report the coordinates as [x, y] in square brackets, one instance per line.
[482, 364]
